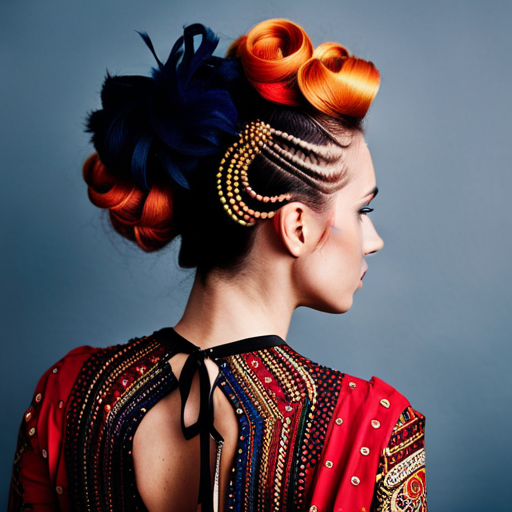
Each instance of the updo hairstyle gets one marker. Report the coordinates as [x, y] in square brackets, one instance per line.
[159, 140]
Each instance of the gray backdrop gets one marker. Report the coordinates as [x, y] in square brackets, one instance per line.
[434, 317]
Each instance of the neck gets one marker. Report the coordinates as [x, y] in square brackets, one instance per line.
[222, 310]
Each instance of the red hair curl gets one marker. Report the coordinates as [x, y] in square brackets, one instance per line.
[278, 59]
[271, 55]
[143, 217]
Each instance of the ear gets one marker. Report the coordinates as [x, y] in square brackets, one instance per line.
[291, 223]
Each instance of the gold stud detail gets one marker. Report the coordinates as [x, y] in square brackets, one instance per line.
[39, 397]
[339, 421]
[32, 431]
[365, 451]
[59, 489]
[352, 385]
[329, 464]
[355, 481]
[375, 423]
[44, 453]
[385, 403]
[313, 508]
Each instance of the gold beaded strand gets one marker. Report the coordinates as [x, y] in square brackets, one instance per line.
[235, 164]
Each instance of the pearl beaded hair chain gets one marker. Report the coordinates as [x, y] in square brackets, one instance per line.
[237, 160]
[316, 165]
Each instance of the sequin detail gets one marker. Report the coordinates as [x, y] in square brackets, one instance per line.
[292, 413]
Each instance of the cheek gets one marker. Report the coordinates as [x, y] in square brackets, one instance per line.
[346, 249]
[331, 276]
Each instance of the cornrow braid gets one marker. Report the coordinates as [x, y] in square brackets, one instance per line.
[314, 165]
[236, 164]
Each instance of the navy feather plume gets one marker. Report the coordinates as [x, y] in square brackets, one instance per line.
[183, 113]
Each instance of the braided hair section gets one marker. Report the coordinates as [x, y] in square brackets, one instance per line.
[305, 164]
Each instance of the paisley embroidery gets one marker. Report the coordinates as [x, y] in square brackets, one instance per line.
[411, 496]
[401, 478]
[405, 468]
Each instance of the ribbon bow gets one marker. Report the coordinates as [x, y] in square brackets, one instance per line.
[196, 363]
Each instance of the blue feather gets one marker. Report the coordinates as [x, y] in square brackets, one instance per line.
[139, 160]
[149, 44]
[183, 112]
[174, 171]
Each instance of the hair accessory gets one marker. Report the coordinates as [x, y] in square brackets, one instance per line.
[232, 178]
[178, 116]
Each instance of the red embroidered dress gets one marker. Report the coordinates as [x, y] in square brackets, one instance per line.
[311, 438]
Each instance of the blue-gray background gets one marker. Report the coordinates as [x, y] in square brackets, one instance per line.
[434, 318]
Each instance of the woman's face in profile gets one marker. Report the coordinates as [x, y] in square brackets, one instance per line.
[334, 270]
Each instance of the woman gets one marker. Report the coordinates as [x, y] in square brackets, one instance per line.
[258, 163]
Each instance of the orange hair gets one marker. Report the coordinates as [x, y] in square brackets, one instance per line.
[272, 54]
[279, 61]
[143, 217]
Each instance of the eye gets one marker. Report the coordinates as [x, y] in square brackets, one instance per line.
[365, 210]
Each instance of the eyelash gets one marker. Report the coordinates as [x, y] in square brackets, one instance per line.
[365, 210]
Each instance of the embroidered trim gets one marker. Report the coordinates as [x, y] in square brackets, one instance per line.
[405, 469]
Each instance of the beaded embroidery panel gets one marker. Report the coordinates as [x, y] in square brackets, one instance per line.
[283, 403]
[114, 390]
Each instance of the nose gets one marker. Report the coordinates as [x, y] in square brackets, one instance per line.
[372, 241]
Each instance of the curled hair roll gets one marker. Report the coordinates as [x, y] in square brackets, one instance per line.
[338, 84]
[272, 54]
[144, 217]
[279, 62]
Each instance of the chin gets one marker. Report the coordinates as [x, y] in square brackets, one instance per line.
[334, 307]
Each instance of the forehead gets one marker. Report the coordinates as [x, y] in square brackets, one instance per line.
[360, 169]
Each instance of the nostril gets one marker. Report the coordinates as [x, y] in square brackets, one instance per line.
[373, 251]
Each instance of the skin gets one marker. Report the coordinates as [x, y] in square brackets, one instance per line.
[302, 259]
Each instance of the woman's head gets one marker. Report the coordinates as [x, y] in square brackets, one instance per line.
[329, 247]
[169, 145]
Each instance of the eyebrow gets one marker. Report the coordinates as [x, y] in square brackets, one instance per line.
[374, 191]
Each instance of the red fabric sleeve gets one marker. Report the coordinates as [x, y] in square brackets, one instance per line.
[358, 433]
[39, 481]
